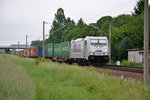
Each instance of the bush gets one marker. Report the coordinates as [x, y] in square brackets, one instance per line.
[112, 62]
[128, 63]
[40, 59]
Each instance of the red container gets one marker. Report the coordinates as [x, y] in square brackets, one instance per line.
[22, 52]
[33, 52]
[29, 52]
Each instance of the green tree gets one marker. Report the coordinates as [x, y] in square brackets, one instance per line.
[105, 19]
[121, 20]
[37, 43]
[67, 31]
[80, 23]
[122, 48]
[59, 21]
[139, 8]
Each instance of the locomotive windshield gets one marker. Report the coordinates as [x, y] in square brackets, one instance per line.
[98, 42]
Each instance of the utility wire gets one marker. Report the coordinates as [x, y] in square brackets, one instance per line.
[112, 10]
[51, 32]
[60, 28]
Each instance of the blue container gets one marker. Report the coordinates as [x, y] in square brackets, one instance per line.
[40, 51]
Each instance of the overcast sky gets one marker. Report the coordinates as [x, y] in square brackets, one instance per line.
[21, 17]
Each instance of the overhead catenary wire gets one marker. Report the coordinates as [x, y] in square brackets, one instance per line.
[60, 28]
[112, 10]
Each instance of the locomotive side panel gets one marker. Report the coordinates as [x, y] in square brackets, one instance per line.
[77, 48]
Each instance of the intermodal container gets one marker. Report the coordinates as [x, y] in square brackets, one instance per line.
[57, 49]
[65, 49]
[50, 49]
[18, 53]
[40, 51]
[22, 52]
[25, 52]
[33, 52]
[29, 52]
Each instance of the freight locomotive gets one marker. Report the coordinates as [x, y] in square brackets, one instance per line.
[85, 50]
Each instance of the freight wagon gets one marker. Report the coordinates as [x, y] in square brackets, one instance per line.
[29, 52]
[39, 51]
[18, 53]
[22, 52]
[50, 50]
[60, 51]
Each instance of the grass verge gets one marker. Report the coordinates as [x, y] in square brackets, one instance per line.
[58, 81]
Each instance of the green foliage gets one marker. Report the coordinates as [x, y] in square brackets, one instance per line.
[59, 21]
[58, 27]
[122, 48]
[40, 59]
[74, 31]
[36, 43]
[139, 8]
[128, 63]
[81, 23]
[121, 20]
[111, 62]
[104, 20]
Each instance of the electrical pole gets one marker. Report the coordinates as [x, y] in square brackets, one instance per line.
[146, 44]
[43, 36]
[26, 45]
[110, 42]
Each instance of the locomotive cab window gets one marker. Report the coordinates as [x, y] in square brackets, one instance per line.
[103, 42]
[98, 42]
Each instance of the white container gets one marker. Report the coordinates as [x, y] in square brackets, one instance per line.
[118, 62]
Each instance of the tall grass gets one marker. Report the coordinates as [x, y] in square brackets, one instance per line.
[15, 84]
[59, 81]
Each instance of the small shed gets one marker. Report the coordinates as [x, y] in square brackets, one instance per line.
[136, 55]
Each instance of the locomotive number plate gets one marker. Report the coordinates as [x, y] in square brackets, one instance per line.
[99, 53]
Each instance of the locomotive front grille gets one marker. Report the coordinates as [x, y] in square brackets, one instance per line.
[94, 58]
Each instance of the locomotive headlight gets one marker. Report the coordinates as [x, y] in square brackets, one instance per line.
[106, 53]
[92, 53]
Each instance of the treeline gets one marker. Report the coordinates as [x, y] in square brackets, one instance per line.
[127, 30]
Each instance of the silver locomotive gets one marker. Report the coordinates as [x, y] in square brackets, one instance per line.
[90, 49]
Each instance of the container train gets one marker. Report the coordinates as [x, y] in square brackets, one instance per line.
[85, 50]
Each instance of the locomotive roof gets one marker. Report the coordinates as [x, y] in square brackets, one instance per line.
[93, 37]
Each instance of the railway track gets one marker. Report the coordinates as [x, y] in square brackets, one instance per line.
[125, 68]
